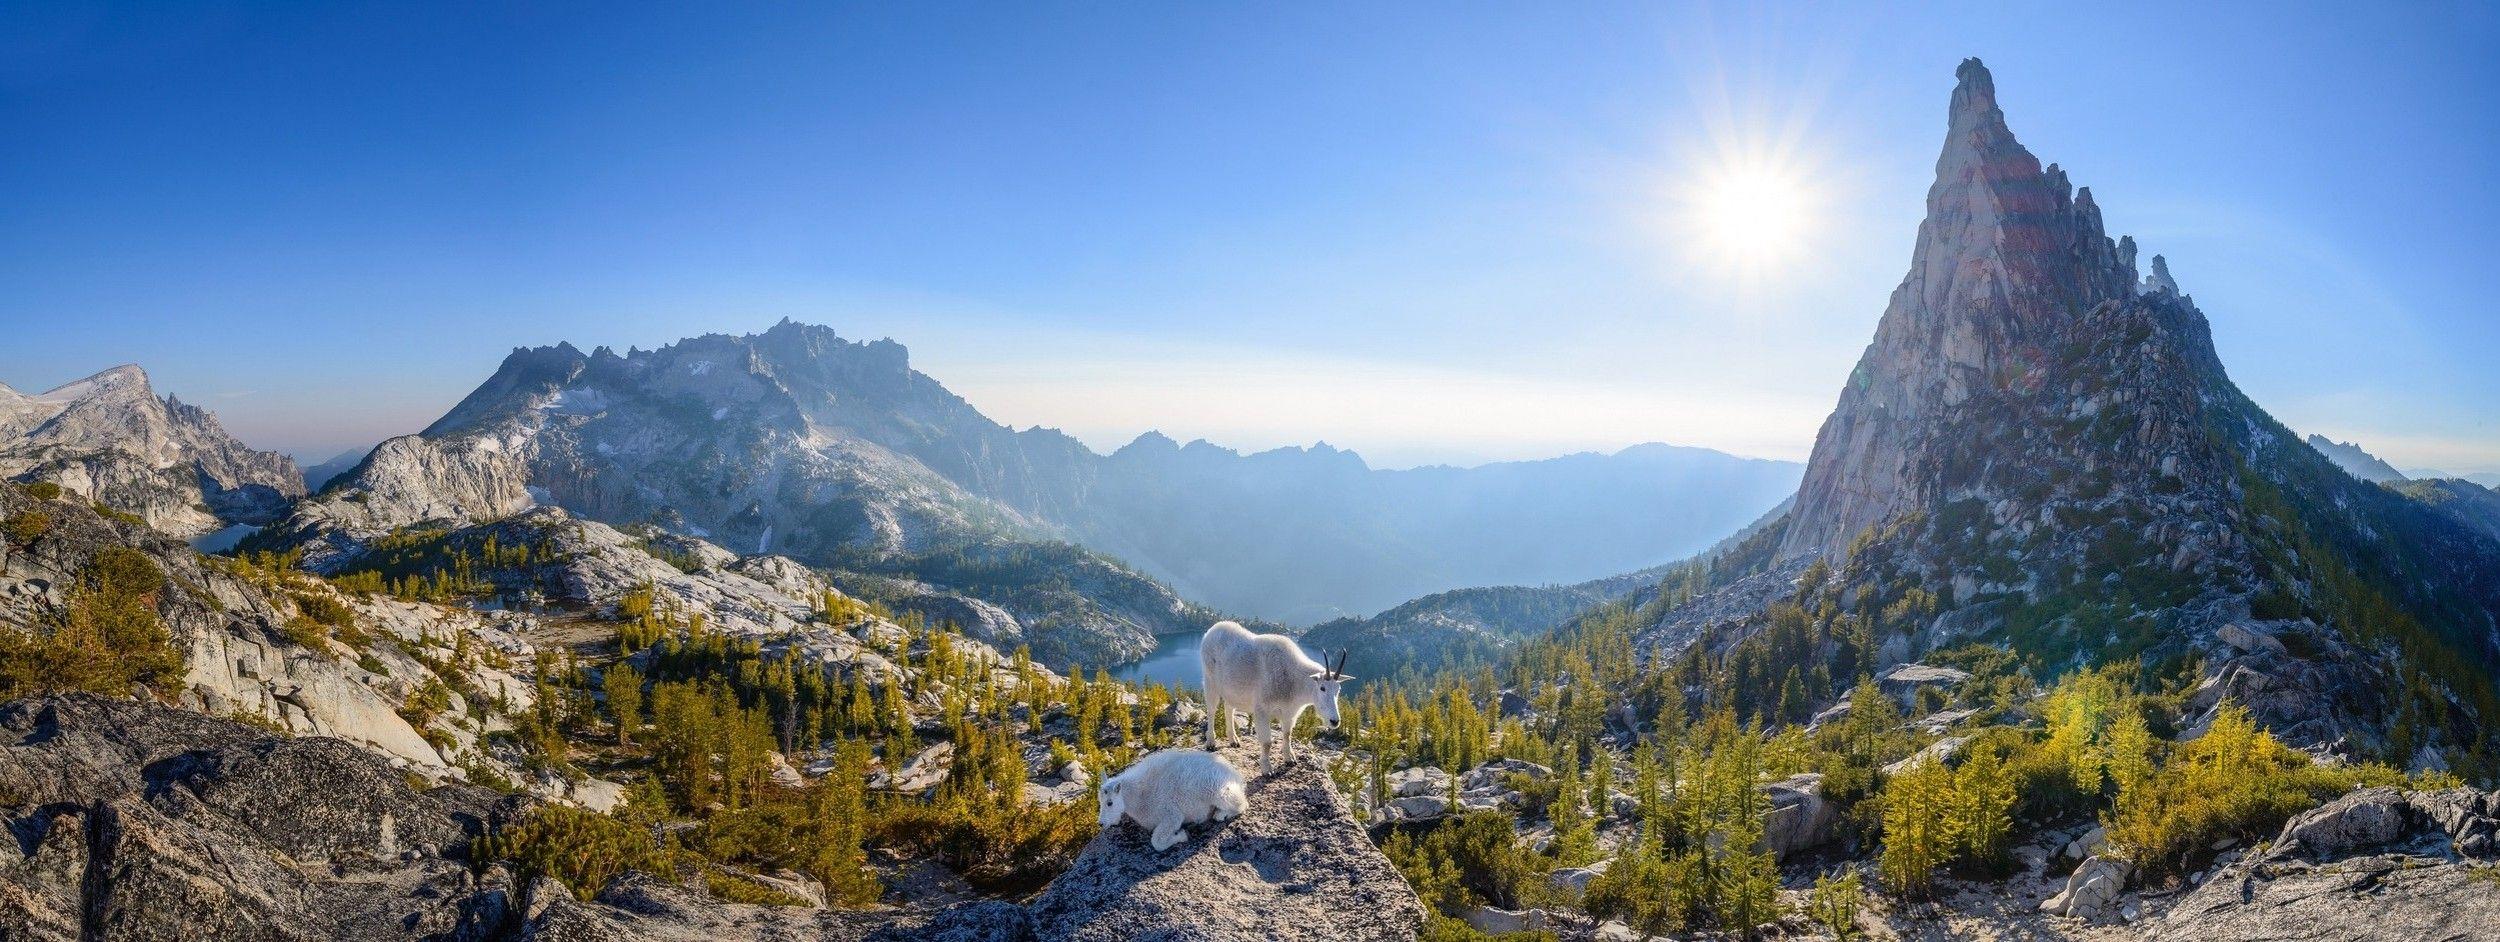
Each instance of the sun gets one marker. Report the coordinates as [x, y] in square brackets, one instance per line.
[1751, 214]
[1747, 217]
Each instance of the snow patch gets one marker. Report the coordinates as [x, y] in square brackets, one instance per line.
[720, 413]
[763, 542]
[699, 367]
[577, 402]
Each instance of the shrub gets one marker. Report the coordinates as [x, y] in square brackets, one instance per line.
[737, 889]
[305, 632]
[1484, 861]
[2236, 781]
[108, 640]
[43, 490]
[120, 516]
[25, 527]
[1835, 903]
[582, 849]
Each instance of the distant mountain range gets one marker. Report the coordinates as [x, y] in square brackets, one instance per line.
[798, 441]
[2350, 457]
[2490, 479]
[319, 475]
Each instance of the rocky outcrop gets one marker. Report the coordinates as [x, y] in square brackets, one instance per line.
[145, 822]
[2377, 864]
[239, 657]
[109, 438]
[1799, 818]
[2005, 259]
[1296, 866]
[2093, 892]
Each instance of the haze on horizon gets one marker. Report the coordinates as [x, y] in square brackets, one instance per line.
[1424, 238]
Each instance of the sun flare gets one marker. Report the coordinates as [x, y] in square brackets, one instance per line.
[1753, 213]
[1749, 218]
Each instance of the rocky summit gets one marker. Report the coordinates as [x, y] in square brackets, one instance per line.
[2042, 442]
[110, 438]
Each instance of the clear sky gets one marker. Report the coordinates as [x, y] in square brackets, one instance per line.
[1426, 232]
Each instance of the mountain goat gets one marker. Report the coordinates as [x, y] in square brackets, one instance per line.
[1171, 788]
[1270, 677]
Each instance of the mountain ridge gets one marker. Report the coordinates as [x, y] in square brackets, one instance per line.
[799, 440]
[110, 437]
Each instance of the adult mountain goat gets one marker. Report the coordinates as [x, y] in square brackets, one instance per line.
[1268, 676]
[1171, 788]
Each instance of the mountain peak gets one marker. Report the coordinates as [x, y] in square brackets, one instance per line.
[2008, 260]
[2352, 458]
[123, 378]
[1975, 94]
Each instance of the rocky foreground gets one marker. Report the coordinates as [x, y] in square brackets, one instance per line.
[143, 822]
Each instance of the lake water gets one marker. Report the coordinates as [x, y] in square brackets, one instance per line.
[224, 539]
[1173, 663]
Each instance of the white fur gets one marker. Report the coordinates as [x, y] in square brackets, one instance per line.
[1171, 788]
[1266, 675]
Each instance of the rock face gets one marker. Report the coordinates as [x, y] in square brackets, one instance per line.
[2377, 864]
[1799, 818]
[1296, 866]
[2045, 443]
[2005, 261]
[109, 438]
[144, 822]
[240, 660]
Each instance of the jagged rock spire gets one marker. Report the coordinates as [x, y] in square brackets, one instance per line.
[2007, 256]
[2160, 282]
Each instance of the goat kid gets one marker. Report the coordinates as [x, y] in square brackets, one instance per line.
[1171, 788]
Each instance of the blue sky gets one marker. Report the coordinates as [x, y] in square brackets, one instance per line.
[1426, 232]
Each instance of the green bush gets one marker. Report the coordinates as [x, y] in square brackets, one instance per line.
[1473, 859]
[121, 516]
[306, 632]
[108, 640]
[43, 490]
[27, 526]
[582, 849]
[2236, 782]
